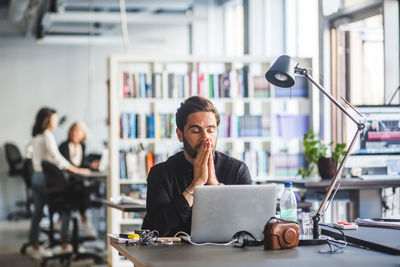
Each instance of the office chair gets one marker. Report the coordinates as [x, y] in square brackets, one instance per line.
[60, 199]
[19, 167]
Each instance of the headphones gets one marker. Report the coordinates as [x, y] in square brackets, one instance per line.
[243, 238]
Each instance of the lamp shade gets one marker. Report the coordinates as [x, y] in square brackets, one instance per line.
[281, 72]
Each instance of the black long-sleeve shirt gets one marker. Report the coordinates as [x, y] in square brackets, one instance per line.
[167, 209]
[64, 150]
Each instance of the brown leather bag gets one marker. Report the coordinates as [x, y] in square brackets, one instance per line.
[280, 234]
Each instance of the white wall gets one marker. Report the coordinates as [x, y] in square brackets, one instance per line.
[58, 76]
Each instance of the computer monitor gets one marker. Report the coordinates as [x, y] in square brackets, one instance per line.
[378, 147]
[382, 135]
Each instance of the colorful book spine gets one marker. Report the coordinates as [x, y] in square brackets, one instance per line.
[230, 83]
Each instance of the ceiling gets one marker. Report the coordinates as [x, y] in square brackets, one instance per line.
[100, 19]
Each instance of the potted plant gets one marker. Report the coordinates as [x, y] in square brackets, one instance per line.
[316, 155]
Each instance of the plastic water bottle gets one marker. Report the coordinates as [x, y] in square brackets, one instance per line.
[288, 204]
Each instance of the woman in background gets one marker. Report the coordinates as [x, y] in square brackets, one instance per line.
[74, 151]
[44, 147]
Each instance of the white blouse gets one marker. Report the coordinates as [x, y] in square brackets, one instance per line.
[75, 154]
[44, 147]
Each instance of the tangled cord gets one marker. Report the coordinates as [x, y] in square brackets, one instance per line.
[146, 238]
[339, 245]
[150, 237]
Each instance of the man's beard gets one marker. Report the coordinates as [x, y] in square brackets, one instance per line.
[192, 151]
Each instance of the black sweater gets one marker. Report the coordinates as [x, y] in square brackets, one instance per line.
[64, 150]
[167, 209]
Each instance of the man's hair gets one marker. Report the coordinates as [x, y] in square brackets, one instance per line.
[192, 105]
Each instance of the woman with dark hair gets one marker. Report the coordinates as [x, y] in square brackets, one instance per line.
[44, 147]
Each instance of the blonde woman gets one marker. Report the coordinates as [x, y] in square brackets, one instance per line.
[73, 150]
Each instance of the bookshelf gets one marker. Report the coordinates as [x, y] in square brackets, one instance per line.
[259, 124]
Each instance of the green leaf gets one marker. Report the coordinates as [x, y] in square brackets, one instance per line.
[314, 149]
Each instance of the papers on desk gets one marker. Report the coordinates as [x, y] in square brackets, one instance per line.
[127, 200]
[376, 223]
[373, 177]
[120, 240]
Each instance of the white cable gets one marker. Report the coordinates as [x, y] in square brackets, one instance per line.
[203, 244]
[124, 23]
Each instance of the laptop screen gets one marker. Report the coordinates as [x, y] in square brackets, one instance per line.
[220, 211]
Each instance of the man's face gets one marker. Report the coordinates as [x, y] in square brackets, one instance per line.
[199, 127]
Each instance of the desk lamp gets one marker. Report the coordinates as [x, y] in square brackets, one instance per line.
[281, 74]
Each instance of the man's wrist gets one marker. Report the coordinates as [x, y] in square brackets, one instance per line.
[213, 181]
[189, 191]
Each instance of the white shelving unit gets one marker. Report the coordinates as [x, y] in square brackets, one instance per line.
[236, 106]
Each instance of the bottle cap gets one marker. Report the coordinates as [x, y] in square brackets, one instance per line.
[288, 184]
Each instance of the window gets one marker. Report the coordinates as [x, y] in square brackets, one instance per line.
[360, 53]
[233, 28]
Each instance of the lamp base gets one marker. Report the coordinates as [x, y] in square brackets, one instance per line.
[313, 242]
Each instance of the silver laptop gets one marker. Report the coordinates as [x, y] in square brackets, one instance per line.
[220, 211]
[103, 164]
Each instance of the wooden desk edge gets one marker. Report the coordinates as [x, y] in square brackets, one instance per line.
[127, 255]
[112, 205]
[135, 208]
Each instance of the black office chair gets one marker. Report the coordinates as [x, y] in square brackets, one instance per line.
[20, 167]
[59, 199]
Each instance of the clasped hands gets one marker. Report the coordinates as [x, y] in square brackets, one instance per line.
[203, 165]
[203, 169]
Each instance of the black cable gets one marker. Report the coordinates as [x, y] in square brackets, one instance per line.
[333, 242]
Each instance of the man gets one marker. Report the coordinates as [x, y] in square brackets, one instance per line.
[170, 184]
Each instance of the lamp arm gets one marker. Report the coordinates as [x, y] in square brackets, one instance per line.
[360, 128]
[335, 179]
[339, 171]
[393, 95]
[326, 93]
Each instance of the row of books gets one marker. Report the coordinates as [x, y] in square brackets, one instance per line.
[292, 126]
[257, 162]
[134, 191]
[299, 89]
[136, 165]
[132, 215]
[234, 83]
[133, 125]
[254, 125]
[286, 164]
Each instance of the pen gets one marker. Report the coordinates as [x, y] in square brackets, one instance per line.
[386, 220]
[168, 239]
[130, 236]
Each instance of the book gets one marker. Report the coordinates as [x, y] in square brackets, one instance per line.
[149, 162]
[131, 165]
[142, 85]
[171, 85]
[377, 223]
[126, 85]
[261, 86]
[157, 85]
[122, 166]
[149, 86]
